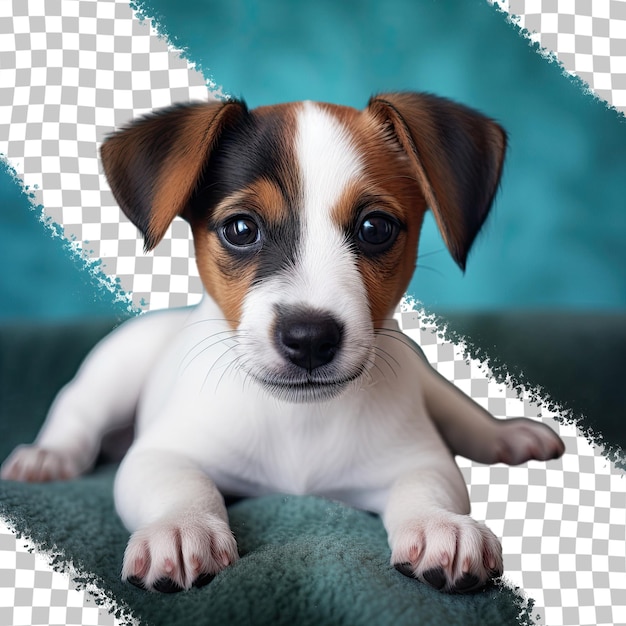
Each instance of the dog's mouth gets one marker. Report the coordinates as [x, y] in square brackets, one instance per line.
[306, 388]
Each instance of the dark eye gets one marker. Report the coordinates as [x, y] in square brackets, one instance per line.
[377, 233]
[241, 231]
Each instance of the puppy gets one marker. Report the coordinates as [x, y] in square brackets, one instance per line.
[291, 375]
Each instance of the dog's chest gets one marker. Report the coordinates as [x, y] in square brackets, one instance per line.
[350, 449]
[304, 449]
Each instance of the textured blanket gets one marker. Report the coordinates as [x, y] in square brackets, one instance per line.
[304, 561]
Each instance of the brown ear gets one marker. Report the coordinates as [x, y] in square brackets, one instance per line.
[457, 154]
[154, 164]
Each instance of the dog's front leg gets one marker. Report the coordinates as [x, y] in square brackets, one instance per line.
[180, 532]
[431, 535]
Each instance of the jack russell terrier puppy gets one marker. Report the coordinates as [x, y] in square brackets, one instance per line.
[291, 375]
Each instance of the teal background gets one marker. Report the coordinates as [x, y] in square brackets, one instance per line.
[555, 239]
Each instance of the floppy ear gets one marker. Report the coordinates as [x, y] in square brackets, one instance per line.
[457, 154]
[155, 163]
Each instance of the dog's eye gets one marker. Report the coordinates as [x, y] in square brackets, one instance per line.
[241, 231]
[377, 233]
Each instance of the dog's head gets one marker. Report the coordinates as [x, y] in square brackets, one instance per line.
[306, 216]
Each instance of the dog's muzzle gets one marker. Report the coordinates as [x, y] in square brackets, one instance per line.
[310, 343]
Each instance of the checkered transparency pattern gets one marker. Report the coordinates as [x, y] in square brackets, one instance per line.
[73, 70]
[588, 37]
[562, 523]
[70, 73]
[31, 592]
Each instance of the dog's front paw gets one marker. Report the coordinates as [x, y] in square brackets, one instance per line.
[34, 464]
[519, 440]
[173, 555]
[450, 552]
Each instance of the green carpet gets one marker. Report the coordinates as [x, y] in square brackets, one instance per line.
[304, 561]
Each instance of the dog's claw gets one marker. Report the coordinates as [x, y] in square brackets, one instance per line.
[435, 577]
[137, 582]
[203, 580]
[167, 585]
[467, 582]
[405, 569]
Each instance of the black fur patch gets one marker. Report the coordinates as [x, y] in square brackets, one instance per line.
[280, 247]
[258, 147]
[254, 148]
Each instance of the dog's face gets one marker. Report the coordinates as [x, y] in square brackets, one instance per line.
[306, 216]
[307, 241]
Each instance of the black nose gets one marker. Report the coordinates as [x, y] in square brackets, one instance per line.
[309, 339]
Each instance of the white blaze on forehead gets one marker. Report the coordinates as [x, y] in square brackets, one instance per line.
[328, 161]
[327, 157]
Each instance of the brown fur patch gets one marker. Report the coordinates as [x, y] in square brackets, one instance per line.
[262, 197]
[183, 165]
[456, 154]
[154, 164]
[273, 195]
[228, 291]
[421, 151]
[388, 184]
[226, 280]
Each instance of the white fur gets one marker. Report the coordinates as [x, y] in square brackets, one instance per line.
[206, 426]
[325, 275]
